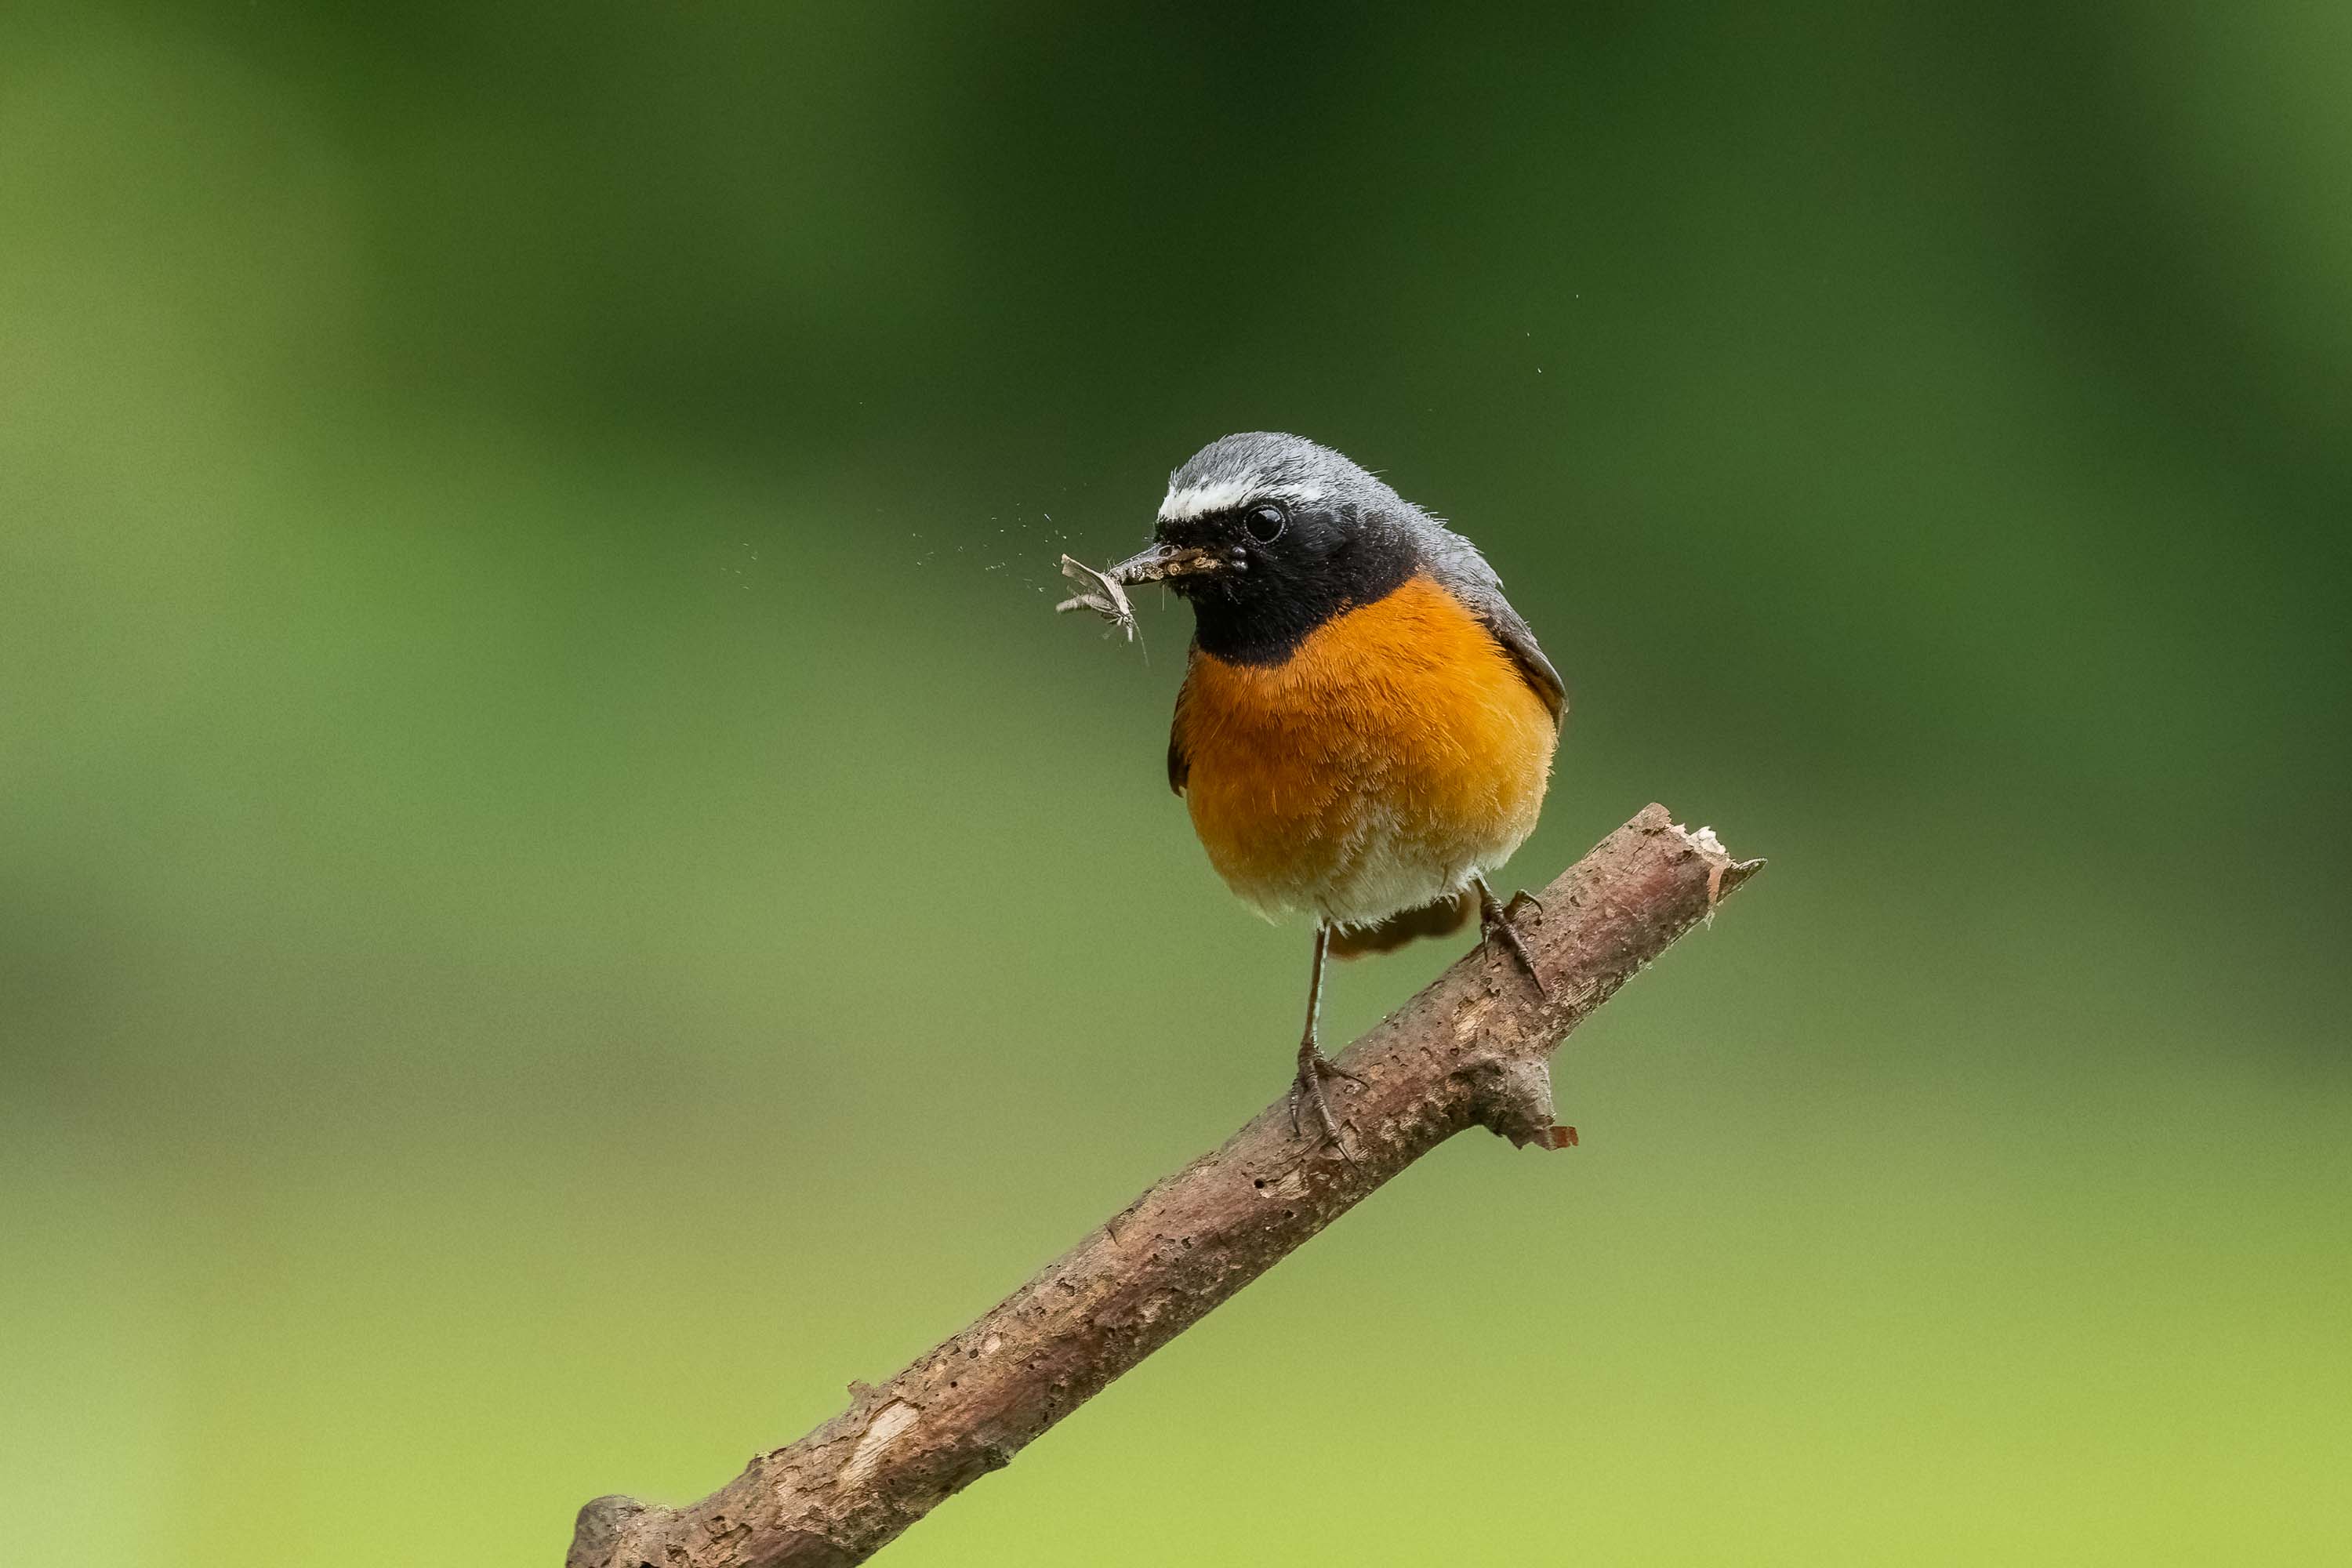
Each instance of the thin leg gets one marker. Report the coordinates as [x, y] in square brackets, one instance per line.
[1314, 1066]
[1497, 922]
[1315, 981]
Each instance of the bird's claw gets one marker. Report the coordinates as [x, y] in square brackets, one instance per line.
[1498, 924]
[1314, 1069]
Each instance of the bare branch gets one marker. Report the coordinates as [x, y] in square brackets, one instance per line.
[1471, 1049]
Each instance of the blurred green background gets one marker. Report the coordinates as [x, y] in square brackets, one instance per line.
[562, 895]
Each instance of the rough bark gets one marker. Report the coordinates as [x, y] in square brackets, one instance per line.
[1471, 1049]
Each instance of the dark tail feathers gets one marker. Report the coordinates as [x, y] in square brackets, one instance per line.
[1443, 918]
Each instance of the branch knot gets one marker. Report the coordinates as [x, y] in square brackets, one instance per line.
[1511, 1098]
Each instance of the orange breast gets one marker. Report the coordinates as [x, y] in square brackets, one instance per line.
[1395, 752]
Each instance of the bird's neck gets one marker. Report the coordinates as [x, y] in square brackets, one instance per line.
[1263, 620]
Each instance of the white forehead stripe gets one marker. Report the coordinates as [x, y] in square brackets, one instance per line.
[1224, 495]
[1201, 500]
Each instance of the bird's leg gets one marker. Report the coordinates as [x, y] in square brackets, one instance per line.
[1314, 1066]
[1497, 922]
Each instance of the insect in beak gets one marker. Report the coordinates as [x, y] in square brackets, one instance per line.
[1164, 561]
[1104, 592]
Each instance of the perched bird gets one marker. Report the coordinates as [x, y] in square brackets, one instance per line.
[1366, 725]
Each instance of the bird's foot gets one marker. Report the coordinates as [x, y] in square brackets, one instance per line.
[1314, 1069]
[1496, 922]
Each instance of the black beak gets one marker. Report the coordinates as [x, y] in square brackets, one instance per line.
[1163, 561]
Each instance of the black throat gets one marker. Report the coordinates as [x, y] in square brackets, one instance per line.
[1261, 618]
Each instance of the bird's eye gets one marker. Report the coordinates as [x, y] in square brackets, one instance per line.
[1266, 522]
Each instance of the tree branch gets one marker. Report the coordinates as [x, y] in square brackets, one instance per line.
[1471, 1049]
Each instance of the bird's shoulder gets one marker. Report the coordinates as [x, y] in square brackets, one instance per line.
[1458, 566]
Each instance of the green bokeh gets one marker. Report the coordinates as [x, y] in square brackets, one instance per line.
[562, 895]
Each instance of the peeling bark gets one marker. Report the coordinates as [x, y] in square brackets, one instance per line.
[1471, 1049]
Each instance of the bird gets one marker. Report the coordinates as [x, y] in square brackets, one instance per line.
[1366, 726]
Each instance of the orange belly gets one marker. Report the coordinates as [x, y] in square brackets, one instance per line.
[1395, 753]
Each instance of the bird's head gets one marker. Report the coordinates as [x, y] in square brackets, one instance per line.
[1268, 536]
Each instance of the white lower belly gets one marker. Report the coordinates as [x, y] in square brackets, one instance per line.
[1382, 872]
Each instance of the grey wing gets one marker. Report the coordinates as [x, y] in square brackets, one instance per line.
[1456, 561]
[1179, 766]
